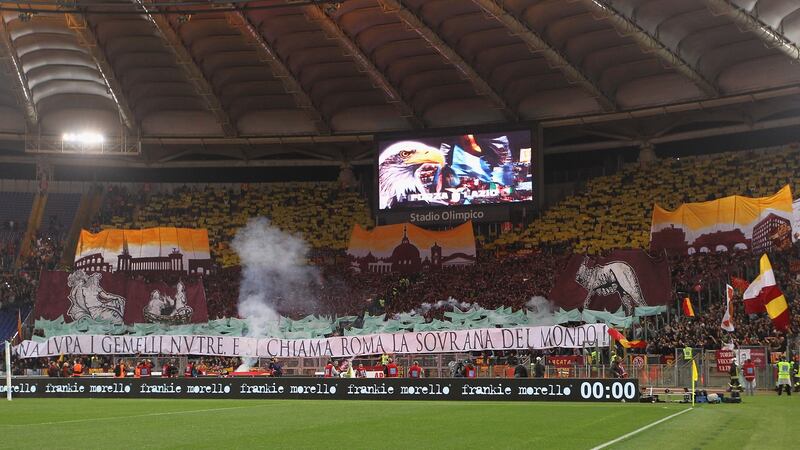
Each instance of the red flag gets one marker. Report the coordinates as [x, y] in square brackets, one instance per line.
[686, 305]
[739, 284]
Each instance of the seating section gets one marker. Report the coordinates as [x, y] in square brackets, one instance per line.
[610, 212]
[615, 211]
[59, 212]
[320, 212]
[16, 209]
[8, 321]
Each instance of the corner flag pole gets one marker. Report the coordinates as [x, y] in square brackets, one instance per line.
[694, 379]
[8, 371]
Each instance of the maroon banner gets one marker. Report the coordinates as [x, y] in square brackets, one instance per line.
[116, 298]
[725, 358]
[627, 278]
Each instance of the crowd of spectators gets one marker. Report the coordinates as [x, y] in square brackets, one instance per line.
[320, 212]
[611, 212]
[17, 289]
[615, 211]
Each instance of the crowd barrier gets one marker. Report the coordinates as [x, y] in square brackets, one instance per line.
[575, 390]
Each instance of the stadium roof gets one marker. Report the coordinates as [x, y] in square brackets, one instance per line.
[278, 81]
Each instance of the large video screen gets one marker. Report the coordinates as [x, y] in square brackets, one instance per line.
[463, 169]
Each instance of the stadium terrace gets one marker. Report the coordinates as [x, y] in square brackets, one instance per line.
[389, 218]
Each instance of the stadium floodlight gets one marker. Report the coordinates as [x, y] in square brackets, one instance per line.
[85, 137]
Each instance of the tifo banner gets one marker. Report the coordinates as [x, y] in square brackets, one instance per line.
[516, 389]
[627, 278]
[408, 248]
[725, 224]
[147, 250]
[116, 298]
[344, 346]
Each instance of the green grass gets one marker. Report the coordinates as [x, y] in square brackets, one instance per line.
[762, 422]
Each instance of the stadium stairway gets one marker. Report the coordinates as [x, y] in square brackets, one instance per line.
[34, 220]
[89, 206]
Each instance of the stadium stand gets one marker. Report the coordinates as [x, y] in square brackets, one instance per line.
[8, 320]
[510, 271]
[614, 211]
[14, 214]
[59, 212]
[321, 213]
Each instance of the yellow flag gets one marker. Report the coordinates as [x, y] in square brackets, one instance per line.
[694, 371]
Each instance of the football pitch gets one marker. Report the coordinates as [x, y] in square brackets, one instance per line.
[762, 422]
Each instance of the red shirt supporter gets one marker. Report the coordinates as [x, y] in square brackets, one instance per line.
[361, 372]
[330, 371]
[391, 370]
[415, 371]
[470, 371]
[749, 370]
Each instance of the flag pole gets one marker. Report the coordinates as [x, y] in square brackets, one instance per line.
[695, 376]
[8, 370]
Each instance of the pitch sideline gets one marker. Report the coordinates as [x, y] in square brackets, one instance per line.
[639, 430]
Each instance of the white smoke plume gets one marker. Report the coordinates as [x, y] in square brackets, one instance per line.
[540, 311]
[423, 308]
[275, 275]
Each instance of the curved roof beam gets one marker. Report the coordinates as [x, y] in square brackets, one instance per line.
[88, 40]
[279, 69]
[187, 64]
[331, 28]
[750, 21]
[479, 84]
[629, 27]
[550, 53]
[21, 88]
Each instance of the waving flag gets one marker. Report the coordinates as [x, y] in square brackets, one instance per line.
[468, 165]
[686, 305]
[763, 294]
[727, 318]
[619, 337]
[739, 284]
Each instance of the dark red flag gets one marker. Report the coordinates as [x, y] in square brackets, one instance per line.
[626, 277]
[116, 298]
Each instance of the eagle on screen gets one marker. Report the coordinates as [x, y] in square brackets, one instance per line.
[399, 168]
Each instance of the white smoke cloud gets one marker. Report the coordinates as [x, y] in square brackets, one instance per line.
[540, 311]
[275, 275]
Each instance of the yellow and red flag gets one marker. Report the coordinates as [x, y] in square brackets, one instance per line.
[686, 305]
[763, 294]
[619, 337]
[19, 326]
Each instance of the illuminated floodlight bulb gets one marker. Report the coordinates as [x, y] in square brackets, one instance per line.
[85, 137]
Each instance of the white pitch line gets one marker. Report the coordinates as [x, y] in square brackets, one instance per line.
[639, 430]
[95, 419]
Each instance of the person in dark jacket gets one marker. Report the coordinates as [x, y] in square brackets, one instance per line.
[538, 368]
[276, 368]
[520, 371]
